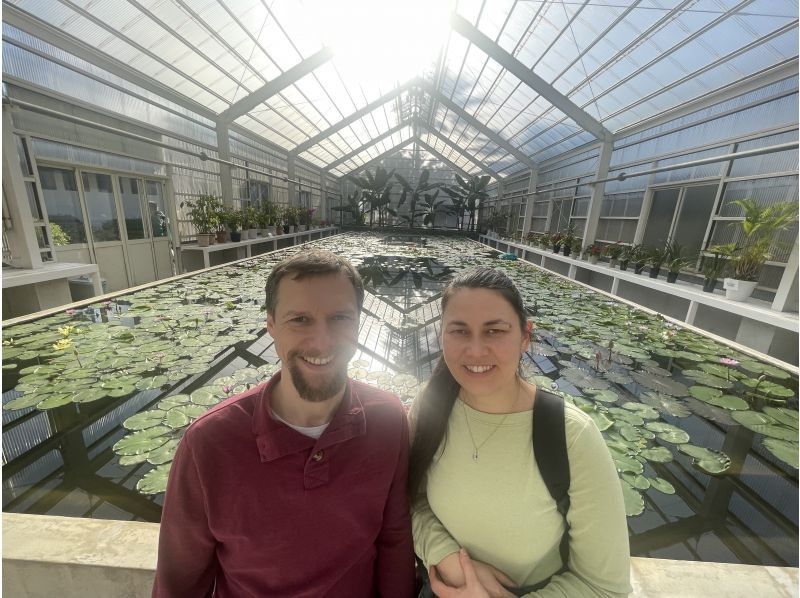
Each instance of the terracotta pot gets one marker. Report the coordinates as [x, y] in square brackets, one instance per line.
[204, 240]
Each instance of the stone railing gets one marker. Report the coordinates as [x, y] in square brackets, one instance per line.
[69, 557]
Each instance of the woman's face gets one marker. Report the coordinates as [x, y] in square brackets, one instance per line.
[482, 341]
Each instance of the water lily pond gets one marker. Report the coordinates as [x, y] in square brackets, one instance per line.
[705, 437]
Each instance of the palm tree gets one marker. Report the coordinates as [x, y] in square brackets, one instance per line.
[355, 207]
[375, 191]
[414, 193]
[467, 197]
[430, 207]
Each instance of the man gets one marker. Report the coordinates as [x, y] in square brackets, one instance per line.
[296, 487]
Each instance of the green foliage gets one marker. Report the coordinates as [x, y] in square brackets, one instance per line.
[467, 197]
[376, 190]
[204, 213]
[60, 238]
[414, 194]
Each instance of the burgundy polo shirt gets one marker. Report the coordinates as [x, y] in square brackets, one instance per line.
[254, 508]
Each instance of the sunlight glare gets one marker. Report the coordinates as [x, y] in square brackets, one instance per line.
[383, 42]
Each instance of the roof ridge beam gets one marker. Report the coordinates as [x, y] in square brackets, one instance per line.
[443, 158]
[529, 78]
[355, 152]
[312, 141]
[388, 152]
[270, 88]
[474, 122]
[469, 156]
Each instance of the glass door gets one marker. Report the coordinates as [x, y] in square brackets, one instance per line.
[139, 244]
[661, 216]
[681, 214]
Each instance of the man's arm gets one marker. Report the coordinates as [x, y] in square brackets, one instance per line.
[395, 562]
[186, 548]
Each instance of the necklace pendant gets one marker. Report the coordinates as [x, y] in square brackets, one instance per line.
[475, 456]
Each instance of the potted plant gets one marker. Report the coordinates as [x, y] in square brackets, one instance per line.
[593, 251]
[655, 256]
[575, 247]
[271, 212]
[569, 237]
[638, 255]
[715, 266]
[674, 260]
[759, 228]
[613, 252]
[625, 257]
[556, 239]
[204, 214]
[250, 222]
[289, 219]
[232, 219]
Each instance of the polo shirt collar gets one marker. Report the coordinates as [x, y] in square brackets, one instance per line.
[275, 439]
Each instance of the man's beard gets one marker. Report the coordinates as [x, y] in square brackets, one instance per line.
[326, 388]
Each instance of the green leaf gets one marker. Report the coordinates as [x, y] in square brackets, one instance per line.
[163, 454]
[784, 416]
[155, 481]
[710, 461]
[144, 420]
[140, 442]
[657, 454]
[764, 424]
[176, 419]
[668, 432]
[634, 504]
[783, 450]
[56, 400]
[662, 485]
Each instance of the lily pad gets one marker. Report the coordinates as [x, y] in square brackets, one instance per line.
[163, 454]
[668, 386]
[665, 404]
[604, 396]
[601, 421]
[634, 503]
[657, 454]
[144, 420]
[784, 416]
[662, 485]
[710, 461]
[668, 432]
[142, 441]
[783, 450]
[154, 481]
[764, 424]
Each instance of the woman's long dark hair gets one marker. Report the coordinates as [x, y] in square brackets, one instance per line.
[439, 396]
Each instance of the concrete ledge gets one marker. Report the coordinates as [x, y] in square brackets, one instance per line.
[63, 556]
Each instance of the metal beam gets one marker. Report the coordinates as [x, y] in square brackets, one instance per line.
[439, 155]
[371, 142]
[269, 89]
[376, 159]
[469, 157]
[474, 122]
[527, 76]
[20, 19]
[354, 117]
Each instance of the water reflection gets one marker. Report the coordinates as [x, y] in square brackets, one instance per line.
[60, 461]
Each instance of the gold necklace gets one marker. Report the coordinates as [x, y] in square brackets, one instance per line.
[478, 447]
[485, 440]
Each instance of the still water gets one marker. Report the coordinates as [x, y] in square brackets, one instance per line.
[704, 436]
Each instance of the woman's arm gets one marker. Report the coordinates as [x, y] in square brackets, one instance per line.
[599, 554]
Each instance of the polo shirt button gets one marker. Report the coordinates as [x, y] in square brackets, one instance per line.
[318, 456]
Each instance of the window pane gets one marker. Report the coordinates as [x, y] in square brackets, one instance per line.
[62, 202]
[24, 158]
[33, 200]
[101, 207]
[131, 205]
[156, 208]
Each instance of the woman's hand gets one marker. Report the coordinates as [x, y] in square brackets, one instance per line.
[473, 586]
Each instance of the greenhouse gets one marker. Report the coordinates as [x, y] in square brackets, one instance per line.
[632, 166]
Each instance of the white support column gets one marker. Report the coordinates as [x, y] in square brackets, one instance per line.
[21, 236]
[526, 223]
[172, 207]
[323, 195]
[224, 150]
[593, 211]
[291, 187]
[786, 295]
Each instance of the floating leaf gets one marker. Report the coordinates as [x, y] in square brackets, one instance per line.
[662, 485]
[758, 367]
[658, 454]
[764, 424]
[708, 460]
[155, 481]
[668, 432]
[665, 404]
[644, 411]
[783, 450]
[604, 396]
[56, 400]
[637, 481]
[176, 419]
[144, 420]
[634, 504]
[24, 402]
[142, 441]
[599, 418]
[784, 416]
[626, 463]
[151, 383]
[163, 454]
[707, 379]
[664, 385]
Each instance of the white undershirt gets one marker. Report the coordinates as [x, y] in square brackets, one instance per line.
[310, 431]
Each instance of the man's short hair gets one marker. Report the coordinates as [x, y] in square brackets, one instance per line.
[306, 264]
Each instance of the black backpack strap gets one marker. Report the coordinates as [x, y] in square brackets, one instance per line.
[550, 452]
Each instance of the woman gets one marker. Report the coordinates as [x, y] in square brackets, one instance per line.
[484, 521]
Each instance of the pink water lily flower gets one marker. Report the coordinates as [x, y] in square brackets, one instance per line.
[728, 361]
[70, 312]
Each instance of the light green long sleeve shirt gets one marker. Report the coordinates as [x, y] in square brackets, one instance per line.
[500, 510]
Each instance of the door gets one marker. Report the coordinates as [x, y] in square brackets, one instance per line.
[137, 230]
[156, 209]
[660, 218]
[106, 236]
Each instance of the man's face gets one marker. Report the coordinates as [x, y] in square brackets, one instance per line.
[315, 329]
